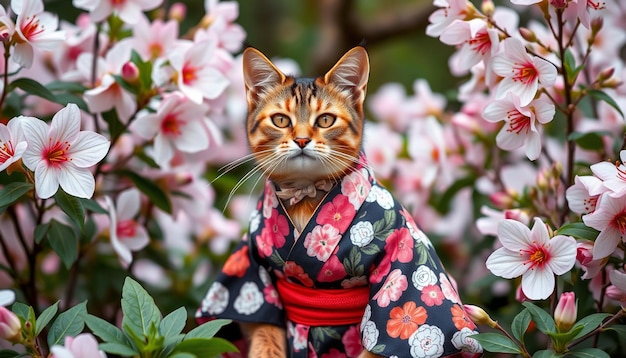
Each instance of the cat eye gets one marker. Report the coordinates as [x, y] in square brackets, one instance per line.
[281, 120]
[325, 120]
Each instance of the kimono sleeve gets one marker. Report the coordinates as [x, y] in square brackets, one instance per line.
[242, 292]
[414, 310]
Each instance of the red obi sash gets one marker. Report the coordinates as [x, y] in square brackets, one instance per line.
[323, 307]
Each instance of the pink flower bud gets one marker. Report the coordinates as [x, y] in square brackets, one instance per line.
[615, 293]
[559, 4]
[10, 326]
[479, 316]
[527, 34]
[177, 12]
[565, 312]
[130, 72]
[502, 200]
[596, 25]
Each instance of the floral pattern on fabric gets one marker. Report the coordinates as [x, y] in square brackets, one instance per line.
[360, 236]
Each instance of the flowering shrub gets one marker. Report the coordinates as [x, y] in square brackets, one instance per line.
[113, 126]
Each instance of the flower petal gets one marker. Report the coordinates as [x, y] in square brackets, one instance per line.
[88, 149]
[65, 124]
[506, 263]
[562, 254]
[538, 284]
[77, 181]
[46, 181]
[36, 131]
[128, 204]
[514, 235]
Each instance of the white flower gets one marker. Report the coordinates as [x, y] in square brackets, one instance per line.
[61, 153]
[249, 300]
[255, 220]
[370, 335]
[426, 342]
[532, 255]
[216, 299]
[381, 196]
[362, 233]
[7, 297]
[423, 277]
[12, 143]
[463, 340]
[126, 234]
[128, 10]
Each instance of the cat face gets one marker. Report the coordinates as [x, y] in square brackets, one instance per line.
[305, 129]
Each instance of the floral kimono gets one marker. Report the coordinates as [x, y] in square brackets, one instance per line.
[361, 274]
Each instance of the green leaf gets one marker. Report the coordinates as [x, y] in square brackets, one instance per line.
[443, 203]
[68, 323]
[602, 96]
[546, 353]
[105, 330]
[118, 349]
[21, 310]
[32, 87]
[65, 98]
[181, 355]
[173, 323]
[12, 192]
[578, 230]
[65, 86]
[138, 308]
[588, 353]
[6, 353]
[205, 347]
[543, 320]
[588, 140]
[157, 196]
[591, 322]
[569, 63]
[41, 231]
[45, 317]
[93, 206]
[208, 329]
[620, 329]
[64, 242]
[116, 127]
[562, 339]
[495, 342]
[520, 324]
[72, 206]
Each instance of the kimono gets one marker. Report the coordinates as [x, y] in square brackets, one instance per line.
[361, 274]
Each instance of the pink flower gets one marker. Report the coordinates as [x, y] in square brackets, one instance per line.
[565, 311]
[356, 187]
[60, 154]
[522, 72]
[273, 233]
[392, 289]
[154, 40]
[271, 296]
[82, 346]
[610, 219]
[34, 28]
[222, 15]
[449, 11]
[338, 213]
[613, 176]
[579, 196]
[378, 272]
[618, 279]
[196, 75]
[10, 326]
[584, 256]
[399, 245]
[432, 295]
[477, 41]
[12, 143]
[126, 234]
[333, 353]
[520, 128]
[533, 255]
[332, 270]
[382, 153]
[178, 124]
[321, 241]
[128, 10]
[352, 342]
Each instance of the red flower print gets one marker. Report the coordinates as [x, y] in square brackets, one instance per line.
[338, 213]
[321, 241]
[403, 321]
[294, 270]
[461, 319]
[237, 263]
[352, 342]
[264, 242]
[271, 296]
[432, 295]
[392, 289]
[379, 272]
[400, 245]
[278, 228]
[356, 187]
[332, 270]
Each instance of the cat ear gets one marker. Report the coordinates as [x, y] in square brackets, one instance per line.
[259, 73]
[351, 73]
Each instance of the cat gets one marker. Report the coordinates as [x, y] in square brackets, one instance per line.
[332, 264]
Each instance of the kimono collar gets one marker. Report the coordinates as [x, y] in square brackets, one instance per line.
[296, 194]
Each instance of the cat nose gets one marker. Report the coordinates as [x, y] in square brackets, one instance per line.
[302, 142]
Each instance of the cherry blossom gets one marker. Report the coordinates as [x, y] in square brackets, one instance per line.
[126, 234]
[449, 11]
[220, 17]
[477, 41]
[60, 154]
[610, 219]
[583, 196]
[178, 124]
[128, 10]
[532, 254]
[154, 40]
[520, 127]
[522, 72]
[12, 143]
[81, 346]
[613, 176]
[34, 28]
